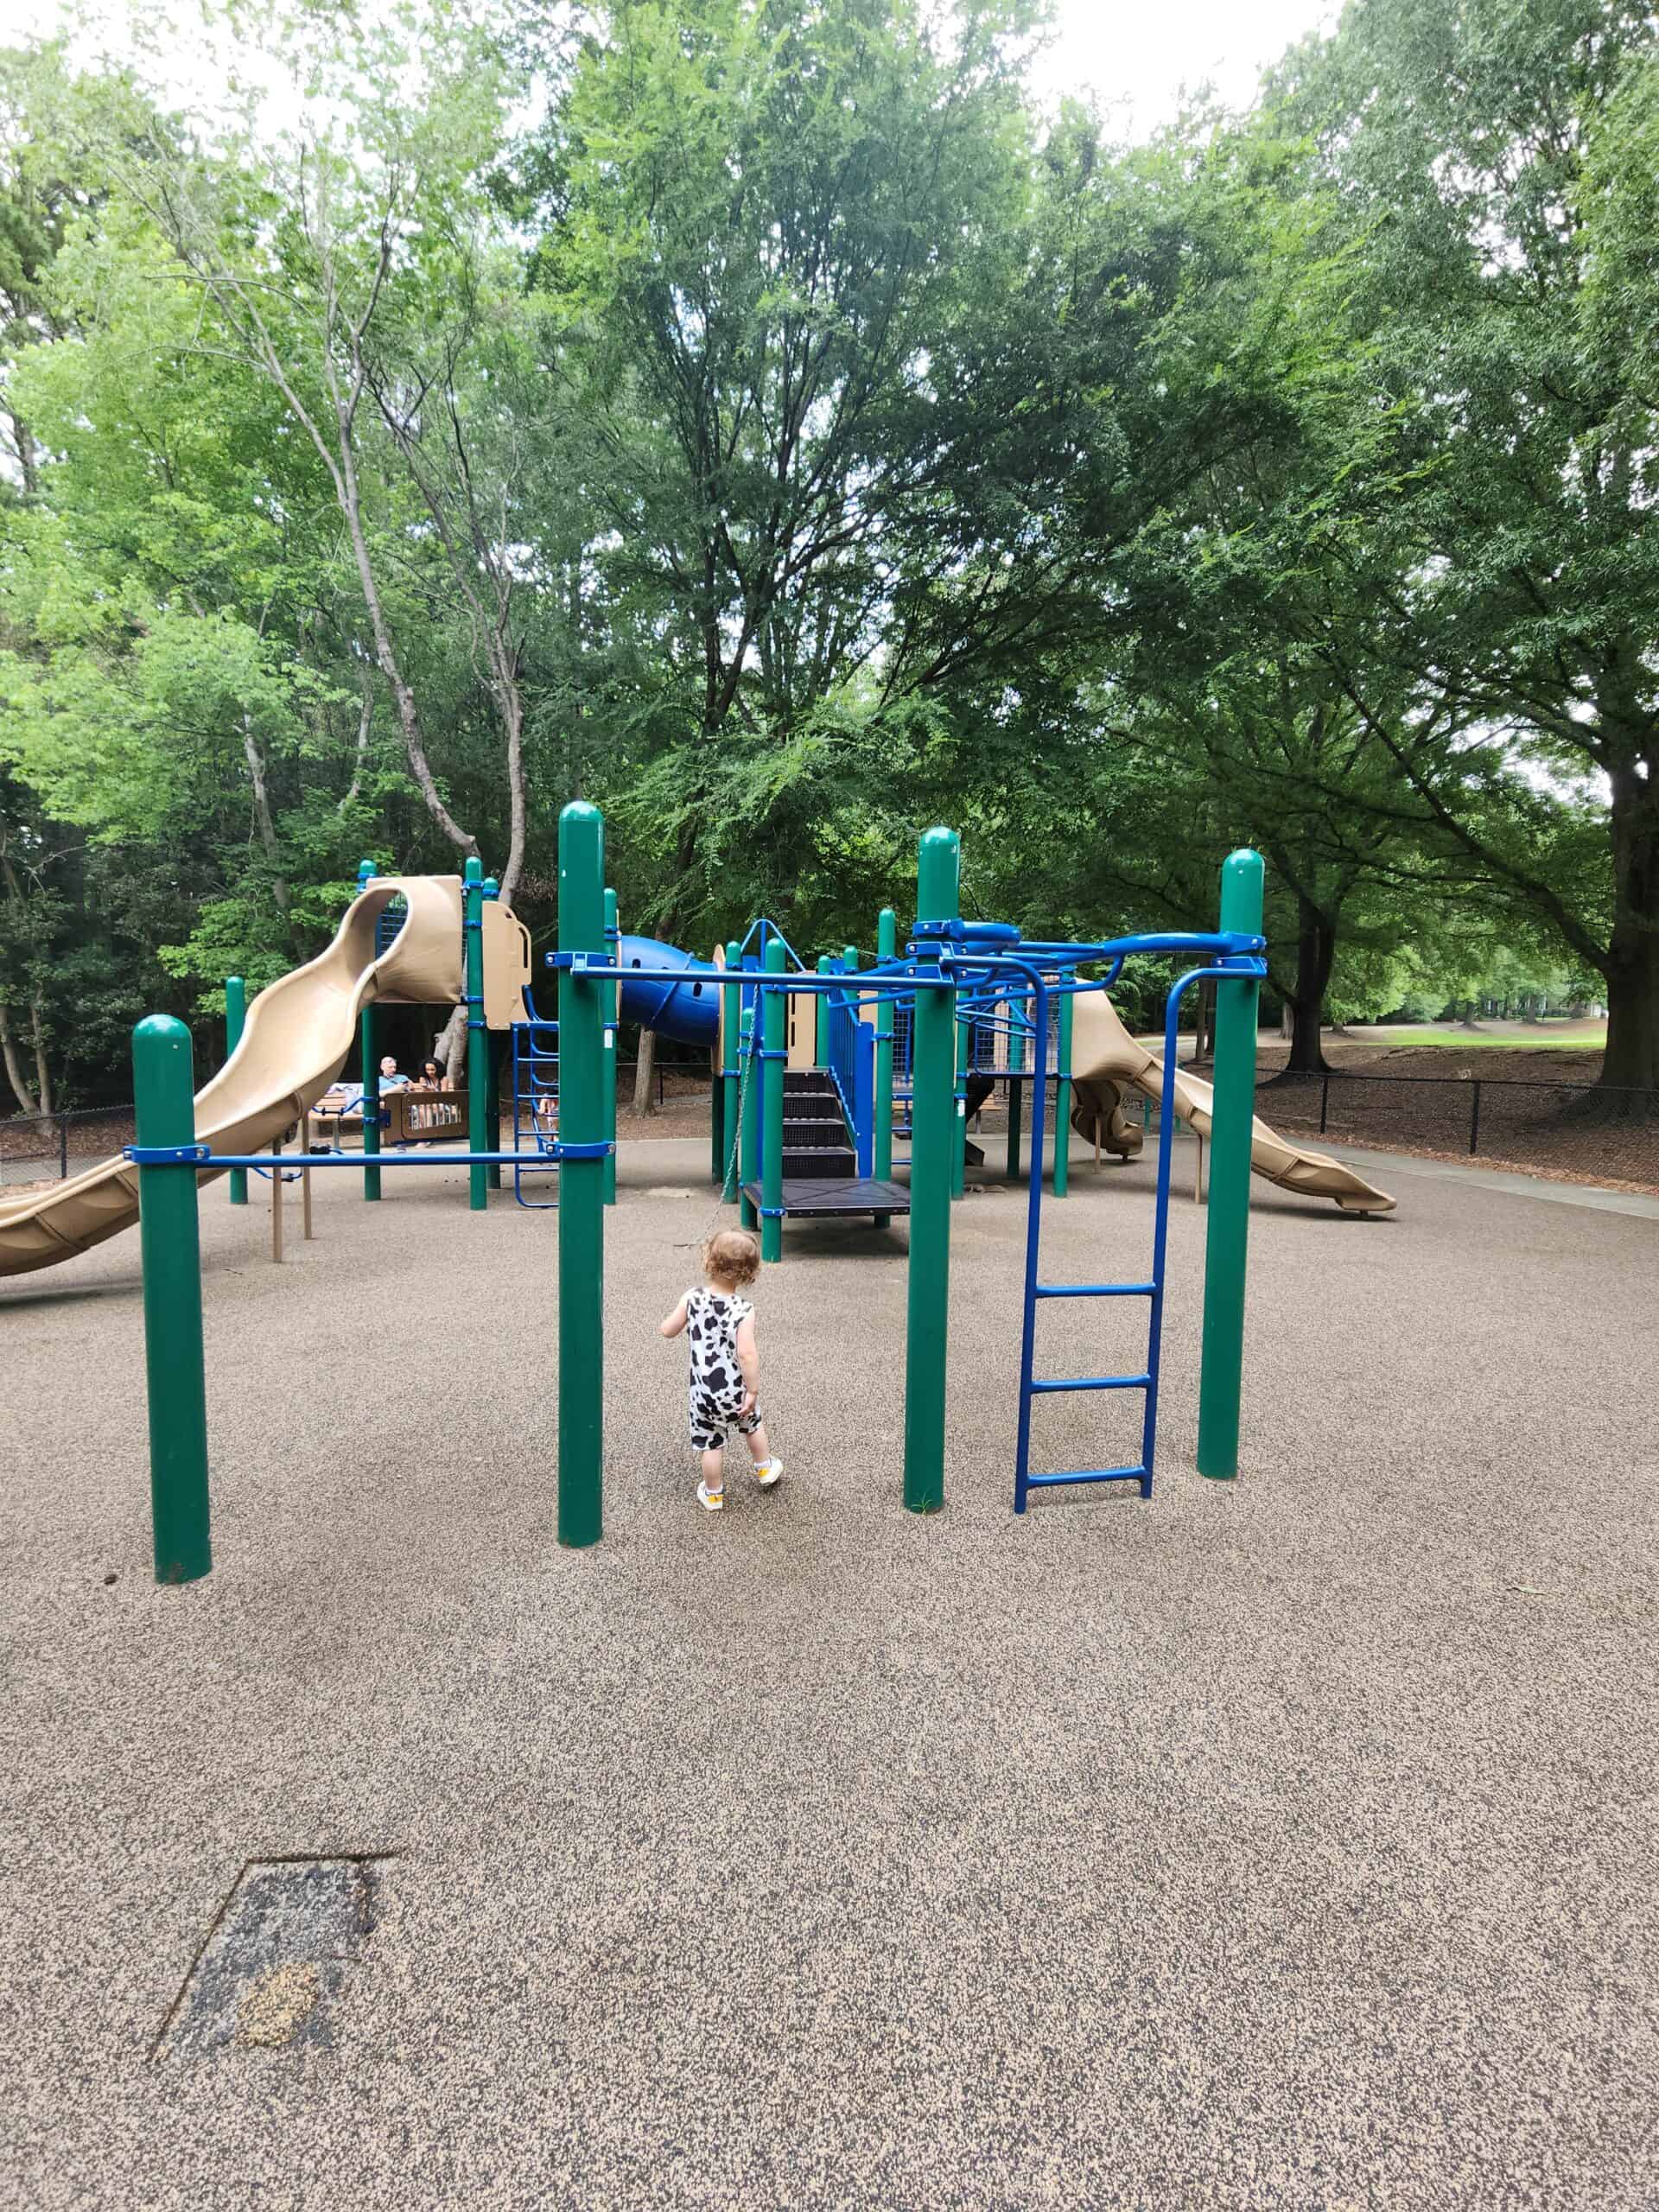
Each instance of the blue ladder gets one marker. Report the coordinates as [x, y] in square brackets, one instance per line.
[535, 1105]
[1139, 1470]
[1152, 1289]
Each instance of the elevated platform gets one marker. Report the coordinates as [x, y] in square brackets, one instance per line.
[827, 1194]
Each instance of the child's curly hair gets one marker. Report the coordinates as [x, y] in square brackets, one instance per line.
[732, 1258]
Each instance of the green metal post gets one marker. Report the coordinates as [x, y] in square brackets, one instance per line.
[368, 1046]
[477, 1072]
[1221, 1368]
[731, 1076]
[959, 1154]
[1062, 1098]
[749, 1136]
[163, 1090]
[886, 944]
[821, 1016]
[1016, 1060]
[491, 1064]
[236, 1020]
[936, 1136]
[613, 940]
[773, 1014]
[581, 1182]
[371, 1086]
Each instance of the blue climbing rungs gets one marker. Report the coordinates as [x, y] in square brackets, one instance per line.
[1097, 1383]
[1093, 1289]
[1137, 1474]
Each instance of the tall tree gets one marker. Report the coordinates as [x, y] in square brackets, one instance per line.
[768, 222]
[1489, 158]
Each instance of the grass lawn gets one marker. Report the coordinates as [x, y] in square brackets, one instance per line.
[1511, 1037]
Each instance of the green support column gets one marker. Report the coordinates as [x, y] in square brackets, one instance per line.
[886, 944]
[613, 940]
[478, 1071]
[749, 1135]
[368, 1047]
[236, 1020]
[821, 1016]
[581, 1182]
[1221, 1370]
[1063, 1096]
[959, 1154]
[163, 1090]
[773, 1014]
[935, 1136]
[1016, 1102]
[492, 1067]
[731, 1078]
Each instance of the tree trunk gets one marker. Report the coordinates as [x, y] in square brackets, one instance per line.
[1203, 1024]
[43, 1073]
[512, 714]
[15, 1075]
[262, 816]
[1631, 1058]
[408, 715]
[451, 1047]
[1316, 947]
[645, 1095]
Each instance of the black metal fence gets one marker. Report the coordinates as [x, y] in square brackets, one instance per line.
[49, 1147]
[1573, 1129]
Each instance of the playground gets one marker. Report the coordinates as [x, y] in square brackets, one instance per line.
[1279, 1843]
[473, 1819]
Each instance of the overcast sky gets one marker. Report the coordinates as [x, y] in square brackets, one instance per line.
[1135, 54]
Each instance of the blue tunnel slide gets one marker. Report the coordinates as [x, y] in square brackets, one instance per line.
[686, 1010]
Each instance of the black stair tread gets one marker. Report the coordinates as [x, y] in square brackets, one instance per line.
[819, 1166]
[853, 1194]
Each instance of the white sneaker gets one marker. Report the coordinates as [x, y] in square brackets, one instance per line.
[711, 1501]
[768, 1471]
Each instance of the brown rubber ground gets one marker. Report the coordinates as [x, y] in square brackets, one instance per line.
[1287, 1842]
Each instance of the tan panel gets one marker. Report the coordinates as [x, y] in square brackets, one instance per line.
[803, 1032]
[506, 966]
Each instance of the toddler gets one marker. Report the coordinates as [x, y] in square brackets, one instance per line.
[725, 1377]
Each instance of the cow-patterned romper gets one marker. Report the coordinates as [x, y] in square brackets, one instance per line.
[712, 1319]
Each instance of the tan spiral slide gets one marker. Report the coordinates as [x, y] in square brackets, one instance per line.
[299, 1031]
[1105, 1060]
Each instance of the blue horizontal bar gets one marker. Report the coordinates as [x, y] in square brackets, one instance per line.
[1088, 1475]
[1096, 1383]
[1094, 1289]
[295, 1159]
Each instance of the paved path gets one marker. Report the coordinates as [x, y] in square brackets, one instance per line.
[1280, 1843]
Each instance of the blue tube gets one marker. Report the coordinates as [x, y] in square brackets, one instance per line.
[685, 1008]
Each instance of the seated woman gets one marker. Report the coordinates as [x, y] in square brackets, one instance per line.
[432, 1077]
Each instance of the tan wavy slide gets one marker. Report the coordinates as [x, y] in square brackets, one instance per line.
[299, 1031]
[1105, 1059]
